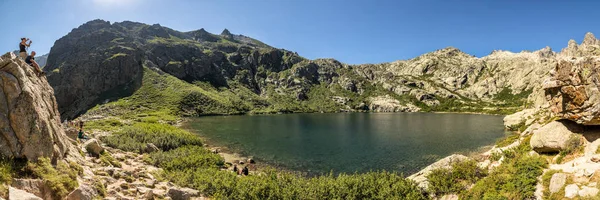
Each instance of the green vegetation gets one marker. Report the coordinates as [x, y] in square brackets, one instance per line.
[456, 179]
[116, 56]
[186, 157]
[61, 179]
[166, 137]
[546, 182]
[512, 100]
[507, 140]
[515, 179]
[108, 160]
[573, 146]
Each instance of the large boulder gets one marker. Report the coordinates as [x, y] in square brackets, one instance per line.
[33, 186]
[84, 192]
[16, 194]
[182, 193]
[573, 90]
[93, 147]
[554, 136]
[29, 119]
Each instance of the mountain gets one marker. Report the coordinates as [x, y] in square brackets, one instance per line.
[41, 60]
[227, 73]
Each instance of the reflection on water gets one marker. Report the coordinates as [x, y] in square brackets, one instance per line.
[351, 142]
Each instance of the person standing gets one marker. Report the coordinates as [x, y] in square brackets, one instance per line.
[23, 47]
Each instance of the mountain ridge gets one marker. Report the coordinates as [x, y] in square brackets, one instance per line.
[447, 79]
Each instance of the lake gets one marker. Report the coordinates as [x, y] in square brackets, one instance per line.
[351, 142]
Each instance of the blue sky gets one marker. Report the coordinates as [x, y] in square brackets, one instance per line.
[352, 31]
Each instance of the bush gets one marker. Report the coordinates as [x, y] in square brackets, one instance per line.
[61, 179]
[165, 137]
[455, 179]
[187, 157]
[514, 180]
[281, 185]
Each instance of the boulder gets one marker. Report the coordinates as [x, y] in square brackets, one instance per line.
[29, 119]
[573, 90]
[84, 192]
[16, 194]
[588, 191]
[93, 147]
[554, 136]
[511, 122]
[151, 148]
[72, 133]
[182, 193]
[557, 181]
[571, 191]
[421, 177]
[33, 186]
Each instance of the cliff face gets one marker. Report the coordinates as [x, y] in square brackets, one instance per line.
[29, 119]
[99, 61]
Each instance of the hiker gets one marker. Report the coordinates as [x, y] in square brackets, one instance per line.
[31, 61]
[81, 136]
[80, 124]
[23, 47]
[245, 171]
[235, 168]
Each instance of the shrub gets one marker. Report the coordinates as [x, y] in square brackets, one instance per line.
[165, 137]
[61, 179]
[187, 157]
[108, 160]
[455, 179]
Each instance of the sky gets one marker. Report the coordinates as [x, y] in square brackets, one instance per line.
[352, 31]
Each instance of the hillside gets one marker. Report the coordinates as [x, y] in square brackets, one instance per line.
[100, 62]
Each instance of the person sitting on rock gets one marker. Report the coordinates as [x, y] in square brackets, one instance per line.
[235, 168]
[81, 135]
[31, 61]
[245, 171]
[23, 47]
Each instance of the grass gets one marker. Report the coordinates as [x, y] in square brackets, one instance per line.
[166, 137]
[186, 157]
[61, 179]
[456, 179]
[516, 178]
[107, 160]
[546, 182]
[507, 140]
[573, 147]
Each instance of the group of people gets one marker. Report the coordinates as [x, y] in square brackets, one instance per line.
[241, 171]
[29, 58]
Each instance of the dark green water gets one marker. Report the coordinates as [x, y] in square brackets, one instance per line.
[351, 142]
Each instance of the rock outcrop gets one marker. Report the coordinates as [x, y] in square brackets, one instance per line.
[573, 90]
[421, 177]
[29, 120]
[554, 136]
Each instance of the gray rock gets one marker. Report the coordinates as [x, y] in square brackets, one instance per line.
[29, 117]
[84, 192]
[588, 191]
[571, 191]
[513, 120]
[553, 137]
[34, 186]
[16, 194]
[182, 193]
[557, 181]
[421, 177]
[151, 148]
[93, 147]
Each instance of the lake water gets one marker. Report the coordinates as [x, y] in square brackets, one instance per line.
[351, 142]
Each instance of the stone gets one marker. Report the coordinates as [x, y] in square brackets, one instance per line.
[575, 96]
[553, 137]
[16, 194]
[557, 181]
[83, 192]
[93, 147]
[33, 186]
[182, 193]
[421, 177]
[571, 191]
[512, 121]
[29, 119]
[151, 148]
[588, 191]
[72, 133]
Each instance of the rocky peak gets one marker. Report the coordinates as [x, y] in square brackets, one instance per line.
[546, 52]
[29, 119]
[226, 34]
[203, 35]
[571, 49]
[589, 39]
